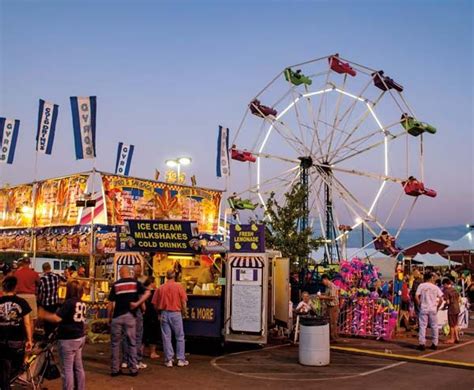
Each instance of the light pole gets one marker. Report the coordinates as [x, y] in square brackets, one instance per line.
[176, 163]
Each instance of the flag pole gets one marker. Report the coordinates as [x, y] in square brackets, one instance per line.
[33, 194]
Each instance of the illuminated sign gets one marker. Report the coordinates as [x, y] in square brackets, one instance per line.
[247, 238]
[158, 236]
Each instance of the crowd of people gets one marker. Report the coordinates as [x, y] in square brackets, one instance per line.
[423, 293]
[140, 315]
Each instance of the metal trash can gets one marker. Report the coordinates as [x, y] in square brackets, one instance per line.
[314, 342]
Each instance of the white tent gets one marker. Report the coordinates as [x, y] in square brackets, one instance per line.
[433, 260]
[465, 243]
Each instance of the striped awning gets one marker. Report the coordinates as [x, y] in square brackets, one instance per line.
[128, 259]
[247, 262]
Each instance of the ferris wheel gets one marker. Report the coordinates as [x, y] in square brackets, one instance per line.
[346, 133]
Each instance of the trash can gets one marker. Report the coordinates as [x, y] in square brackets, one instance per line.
[314, 342]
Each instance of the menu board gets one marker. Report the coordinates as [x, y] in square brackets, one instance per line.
[246, 314]
[130, 198]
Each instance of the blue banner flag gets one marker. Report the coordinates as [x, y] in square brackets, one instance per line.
[124, 159]
[84, 120]
[222, 163]
[8, 136]
[47, 117]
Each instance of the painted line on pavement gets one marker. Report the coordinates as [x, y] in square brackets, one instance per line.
[266, 376]
[416, 359]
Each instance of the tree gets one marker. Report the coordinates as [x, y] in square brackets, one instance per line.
[281, 227]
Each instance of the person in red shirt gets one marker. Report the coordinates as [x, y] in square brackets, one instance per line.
[171, 300]
[28, 281]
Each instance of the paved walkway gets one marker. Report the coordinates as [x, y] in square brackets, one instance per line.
[276, 367]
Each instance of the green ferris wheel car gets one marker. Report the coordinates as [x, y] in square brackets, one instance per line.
[416, 127]
[297, 78]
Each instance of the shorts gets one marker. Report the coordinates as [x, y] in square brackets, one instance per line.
[31, 299]
[453, 319]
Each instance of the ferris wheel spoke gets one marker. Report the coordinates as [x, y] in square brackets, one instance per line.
[316, 122]
[344, 195]
[315, 127]
[338, 106]
[357, 98]
[405, 219]
[354, 144]
[369, 175]
[298, 120]
[295, 140]
[370, 147]
[359, 123]
[349, 197]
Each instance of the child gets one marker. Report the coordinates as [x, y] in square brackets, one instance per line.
[304, 307]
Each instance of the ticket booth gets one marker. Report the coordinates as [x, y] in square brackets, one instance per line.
[246, 298]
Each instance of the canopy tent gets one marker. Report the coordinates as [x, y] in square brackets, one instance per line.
[465, 243]
[433, 260]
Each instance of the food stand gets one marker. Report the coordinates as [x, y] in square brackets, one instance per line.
[78, 217]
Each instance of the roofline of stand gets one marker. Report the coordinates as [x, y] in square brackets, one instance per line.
[110, 174]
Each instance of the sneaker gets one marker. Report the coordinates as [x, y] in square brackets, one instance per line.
[141, 365]
[183, 363]
[134, 373]
[169, 363]
[114, 374]
[434, 347]
[124, 365]
[421, 347]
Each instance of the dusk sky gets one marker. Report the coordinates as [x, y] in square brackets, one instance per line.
[167, 74]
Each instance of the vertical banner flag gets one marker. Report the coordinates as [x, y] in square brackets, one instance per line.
[222, 166]
[47, 117]
[8, 136]
[83, 121]
[124, 159]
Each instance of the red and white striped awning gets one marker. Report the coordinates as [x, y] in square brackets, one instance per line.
[247, 262]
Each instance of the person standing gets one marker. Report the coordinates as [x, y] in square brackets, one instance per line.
[332, 301]
[171, 299]
[28, 281]
[125, 297]
[15, 331]
[452, 298]
[151, 337]
[48, 297]
[71, 338]
[137, 274]
[429, 299]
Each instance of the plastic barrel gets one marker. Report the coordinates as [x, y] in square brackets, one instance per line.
[314, 342]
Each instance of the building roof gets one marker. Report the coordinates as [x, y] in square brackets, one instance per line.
[465, 243]
[433, 260]
[438, 240]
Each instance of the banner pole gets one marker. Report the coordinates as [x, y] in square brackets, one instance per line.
[92, 238]
[33, 220]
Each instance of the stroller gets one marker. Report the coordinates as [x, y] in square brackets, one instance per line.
[38, 366]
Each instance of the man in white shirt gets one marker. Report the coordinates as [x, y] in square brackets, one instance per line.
[429, 299]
